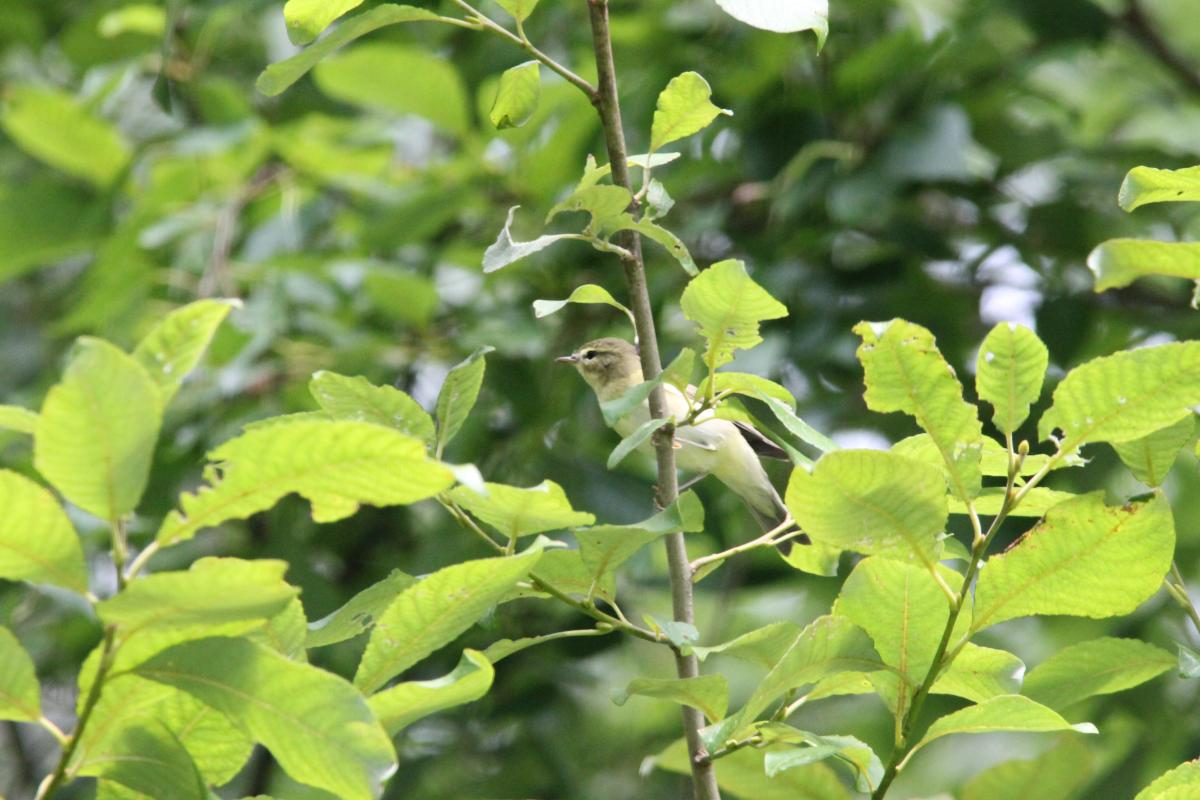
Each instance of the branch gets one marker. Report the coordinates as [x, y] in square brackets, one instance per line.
[608, 105]
[942, 659]
[1138, 25]
[56, 777]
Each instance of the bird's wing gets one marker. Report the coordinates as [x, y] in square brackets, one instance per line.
[761, 444]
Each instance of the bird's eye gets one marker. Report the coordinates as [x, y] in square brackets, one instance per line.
[589, 355]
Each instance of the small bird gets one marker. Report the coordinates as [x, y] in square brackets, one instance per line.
[712, 446]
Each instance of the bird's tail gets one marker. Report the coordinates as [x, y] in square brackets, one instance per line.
[769, 511]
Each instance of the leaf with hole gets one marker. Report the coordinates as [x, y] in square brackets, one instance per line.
[336, 465]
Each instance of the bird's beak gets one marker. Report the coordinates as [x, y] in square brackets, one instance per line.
[571, 359]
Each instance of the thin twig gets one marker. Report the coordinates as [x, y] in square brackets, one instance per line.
[491, 26]
[619, 622]
[1182, 597]
[771, 537]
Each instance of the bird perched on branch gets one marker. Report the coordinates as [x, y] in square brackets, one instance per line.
[709, 446]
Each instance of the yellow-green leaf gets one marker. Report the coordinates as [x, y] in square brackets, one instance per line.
[871, 501]
[20, 696]
[728, 306]
[54, 127]
[405, 703]
[1120, 262]
[1099, 666]
[683, 108]
[434, 611]
[1008, 373]
[307, 19]
[174, 346]
[708, 694]
[1145, 185]
[517, 512]
[97, 430]
[1084, 559]
[906, 372]
[1151, 457]
[335, 464]
[517, 96]
[37, 542]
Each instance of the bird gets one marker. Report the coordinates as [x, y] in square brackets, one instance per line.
[723, 448]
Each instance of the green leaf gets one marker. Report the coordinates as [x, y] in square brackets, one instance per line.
[1177, 784]
[1120, 262]
[901, 608]
[796, 426]
[308, 19]
[789, 17]
[603, 548]
[459, 392]
[359, 613]
[747, 384]
[1007, 712]
[1100, 666]
[518, 9]
[640, 436]
[336, 465]
[517, 96]
[162, 609]
[660, 236]
[37, 542]
[683, 108]
[708, 694]
[565, 571]
[174, 346]
[15, 418]
[906, 372]
[742, 775]
[517, 512]
[728, 306]
[1151, 457]
[1189, 662]
[365, 76]
[978, 673]
[1145, 185]
[282, 74]
[588, 293]
[96, 433]
[1057, 774]
[505, 250]
[1036, 502]
[356, 398]
[1008, 373]
[218, 748]
[317, 726]
[20, 695]
[855, 754]
[433, 612]
[604, 203]
[828, 645]
[54, 127]
[763, 646]
[148, 759]
[1084, 559]
[815, 559]
[405, 703]
[658, 202]
[871, 501]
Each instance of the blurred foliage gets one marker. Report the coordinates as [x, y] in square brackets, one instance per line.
[948, 161]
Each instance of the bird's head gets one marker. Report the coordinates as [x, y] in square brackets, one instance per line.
[610, 365]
